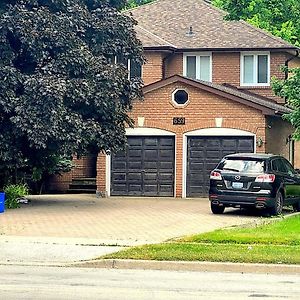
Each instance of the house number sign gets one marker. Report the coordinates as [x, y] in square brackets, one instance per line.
[178, 121]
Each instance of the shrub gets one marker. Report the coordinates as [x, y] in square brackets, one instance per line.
[13, 192]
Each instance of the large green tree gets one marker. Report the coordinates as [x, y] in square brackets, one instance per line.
[290, 90]
[281, 18]
[61, 92]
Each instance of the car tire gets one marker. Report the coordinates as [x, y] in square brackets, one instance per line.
[296, 206]
[277, 208]
[216, 209]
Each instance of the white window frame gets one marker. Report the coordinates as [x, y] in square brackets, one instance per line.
[177, 104]
[255, 71]
[128, 67]
[198, 55]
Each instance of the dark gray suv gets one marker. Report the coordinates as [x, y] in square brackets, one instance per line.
[263, 181]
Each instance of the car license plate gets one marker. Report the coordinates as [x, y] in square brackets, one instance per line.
[237, 185]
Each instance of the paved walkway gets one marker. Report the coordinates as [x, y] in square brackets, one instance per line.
[60, 229]
[115, 220]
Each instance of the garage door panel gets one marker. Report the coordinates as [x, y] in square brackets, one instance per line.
[166, 177]
[134, 176]
[167, 154]
[213, 143]
[135, 153]
[196, 153]
[134, 165]
[134, 142]
[119, 165]
[151, 142]
[147, 164]
[203, 155]
[166, 165]
[231, 144]
[196, 166]
[197, 143]
[167, 142]
[151, 155]
[151, 165]
[150, 176]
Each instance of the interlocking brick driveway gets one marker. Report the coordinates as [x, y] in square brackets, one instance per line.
[124, 221]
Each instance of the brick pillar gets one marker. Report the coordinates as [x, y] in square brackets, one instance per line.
[101, 175]
[179, 153]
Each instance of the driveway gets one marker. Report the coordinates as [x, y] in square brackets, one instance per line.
[78, 226]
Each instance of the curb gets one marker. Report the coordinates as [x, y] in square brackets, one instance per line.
[189, 266]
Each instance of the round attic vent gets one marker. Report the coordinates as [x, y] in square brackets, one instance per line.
[180, 97]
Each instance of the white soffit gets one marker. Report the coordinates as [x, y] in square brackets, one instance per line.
[148, 132]
[219, 132]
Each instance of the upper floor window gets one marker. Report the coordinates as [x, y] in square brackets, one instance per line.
[198, 66]
[134, 68]
[255, 69]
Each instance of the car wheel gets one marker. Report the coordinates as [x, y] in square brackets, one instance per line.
[277, 208]
[296, 206]
[216, 209]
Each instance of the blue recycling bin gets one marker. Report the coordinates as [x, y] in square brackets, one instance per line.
[2, 202]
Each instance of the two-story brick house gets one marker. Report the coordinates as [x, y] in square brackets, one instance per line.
[207, 93]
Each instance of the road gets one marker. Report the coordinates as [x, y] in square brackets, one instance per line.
[32, 282]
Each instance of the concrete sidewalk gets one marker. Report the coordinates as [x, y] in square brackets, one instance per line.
[68, 228]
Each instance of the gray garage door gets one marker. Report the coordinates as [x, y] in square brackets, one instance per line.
[203, 155]
[145, 168]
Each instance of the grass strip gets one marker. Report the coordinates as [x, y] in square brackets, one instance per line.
[212, 252]
[282, 232]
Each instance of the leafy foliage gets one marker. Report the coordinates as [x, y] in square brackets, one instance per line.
[61, 92]
[13, 192]
[281, 18]
[135, 3]
[290, 90]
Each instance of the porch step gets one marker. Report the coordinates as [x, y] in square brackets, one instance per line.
[82, 186]
[75, 186]
[84, 181]
[81, 191]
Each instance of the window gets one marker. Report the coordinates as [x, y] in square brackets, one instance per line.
[289, 168]
[134, 68]
[180, 97]
[197, 66]
[278, 166]
[239, 165]
[255, 69]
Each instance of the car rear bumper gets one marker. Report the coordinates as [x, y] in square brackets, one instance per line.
[258, 201]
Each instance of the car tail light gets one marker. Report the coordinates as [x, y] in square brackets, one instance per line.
[215, 175]
[265, 178]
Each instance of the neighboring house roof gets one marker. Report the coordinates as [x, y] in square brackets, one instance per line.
[166, 23]
[257, 102]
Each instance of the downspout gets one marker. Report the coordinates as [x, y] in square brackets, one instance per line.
[164, 63]
[287, 64]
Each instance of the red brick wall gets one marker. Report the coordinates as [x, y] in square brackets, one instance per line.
[158, 111]
[174, 65]
[84, 167]
[152, 69]
[225, 69]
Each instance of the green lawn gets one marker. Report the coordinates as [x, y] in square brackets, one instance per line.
[276, 242]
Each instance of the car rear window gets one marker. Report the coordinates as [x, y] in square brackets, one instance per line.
[242, 165]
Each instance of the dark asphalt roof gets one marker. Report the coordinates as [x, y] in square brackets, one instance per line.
[167, 23]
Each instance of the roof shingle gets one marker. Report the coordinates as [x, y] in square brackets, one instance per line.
[167, 23]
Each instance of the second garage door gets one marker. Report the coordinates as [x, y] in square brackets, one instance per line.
[145, 168]
[204, 153]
